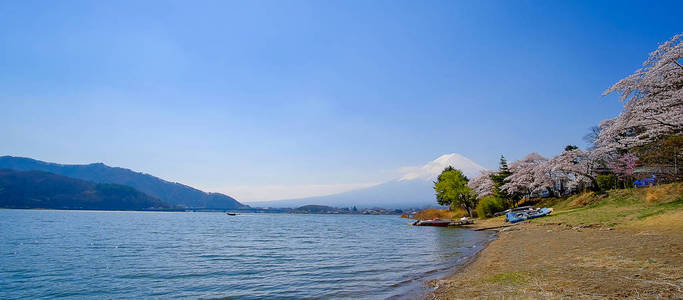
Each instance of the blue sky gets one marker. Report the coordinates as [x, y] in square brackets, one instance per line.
[275, 99]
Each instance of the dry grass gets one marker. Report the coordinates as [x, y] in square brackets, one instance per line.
[666, 222]
[619, 207]
[508, 278]
[663, 193]
[584, 199]
[440, 214]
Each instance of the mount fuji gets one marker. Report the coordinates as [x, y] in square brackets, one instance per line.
[413, 189]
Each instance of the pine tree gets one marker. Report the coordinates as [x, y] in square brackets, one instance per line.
[504, 165]
[499, 178]
[570, 148]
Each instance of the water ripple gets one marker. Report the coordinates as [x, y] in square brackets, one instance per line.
[130, 255]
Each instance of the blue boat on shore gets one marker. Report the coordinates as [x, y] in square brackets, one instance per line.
[514, 217]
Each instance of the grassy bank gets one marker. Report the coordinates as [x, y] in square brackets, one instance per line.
[660, 205]
[620, 244]
[627, 207]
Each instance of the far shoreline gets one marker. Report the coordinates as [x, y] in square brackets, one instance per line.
[241, 211]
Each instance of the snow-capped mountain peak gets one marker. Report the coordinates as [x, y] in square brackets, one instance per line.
[432, 169]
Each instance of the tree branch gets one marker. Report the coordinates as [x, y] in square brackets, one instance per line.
[676, 62]
[660, 122]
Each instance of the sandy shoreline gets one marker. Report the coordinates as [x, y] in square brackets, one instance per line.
[541, 261]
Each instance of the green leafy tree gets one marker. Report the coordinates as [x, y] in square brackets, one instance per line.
[488, 206]
[452, 190]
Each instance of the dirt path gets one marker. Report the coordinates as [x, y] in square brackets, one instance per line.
[541, 261]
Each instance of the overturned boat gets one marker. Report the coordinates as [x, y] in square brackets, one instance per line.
[514, 217]
[432, 222]
[516, 209]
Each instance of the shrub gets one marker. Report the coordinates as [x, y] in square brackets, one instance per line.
[489, 205]
[432, 213]
[606, 182]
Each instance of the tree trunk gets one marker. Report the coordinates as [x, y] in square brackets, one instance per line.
[469, 211]
[676, 165]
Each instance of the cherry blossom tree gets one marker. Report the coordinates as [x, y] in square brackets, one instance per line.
[482, 185]
[653, 97]
[576, 166]
[521, 182]
[545, 178]
[624, 165]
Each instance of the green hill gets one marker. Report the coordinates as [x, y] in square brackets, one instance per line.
[170, 192]
[35, 189]
[314, 209]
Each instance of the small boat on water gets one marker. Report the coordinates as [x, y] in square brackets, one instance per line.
[514, 217]
[231, 213]
[432, 222]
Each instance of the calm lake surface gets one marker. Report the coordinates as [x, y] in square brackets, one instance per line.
[104, 254]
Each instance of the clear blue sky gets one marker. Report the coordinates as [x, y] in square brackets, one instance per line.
[300, 96]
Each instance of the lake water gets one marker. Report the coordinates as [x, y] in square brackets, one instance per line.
[104, 254]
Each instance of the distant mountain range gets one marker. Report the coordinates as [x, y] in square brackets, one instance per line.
[174, 194]
[414, 189]
[35, 189]
[393, 194]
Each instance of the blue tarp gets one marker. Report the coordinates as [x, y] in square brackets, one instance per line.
[645, 181]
